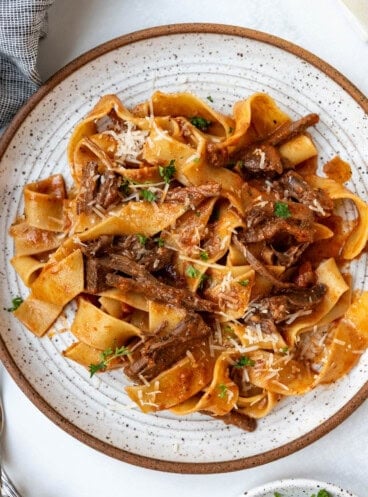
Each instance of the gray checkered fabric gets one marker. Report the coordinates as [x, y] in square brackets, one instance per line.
[22, 24]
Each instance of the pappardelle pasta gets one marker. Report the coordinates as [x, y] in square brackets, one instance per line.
[206, 256]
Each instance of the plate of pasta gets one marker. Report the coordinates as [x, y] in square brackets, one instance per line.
[298, 487]
[185, 248]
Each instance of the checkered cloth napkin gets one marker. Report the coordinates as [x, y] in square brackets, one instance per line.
[22, 24]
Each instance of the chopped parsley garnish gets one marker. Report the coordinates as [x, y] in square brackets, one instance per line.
[192, 272]
[200, 122]
[198, 213]
[167, 172]
[142, 239]
[204, 255]
[243, 282]
[203, 278]
[223, 390]
[281, 210]
[148, 195]
[228, 330]
[16, 301]
[231, 129]
[244, 361]
[107, 356]
[323, 493]
[196, 159]
[160, 242]
[210, 98]
[125, 187]
[284, 350]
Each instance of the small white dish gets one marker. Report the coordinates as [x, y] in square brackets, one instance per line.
[299, 487]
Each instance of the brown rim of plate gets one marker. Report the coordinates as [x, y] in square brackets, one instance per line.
[8, 361]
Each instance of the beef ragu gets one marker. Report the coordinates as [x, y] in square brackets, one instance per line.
[204, 253]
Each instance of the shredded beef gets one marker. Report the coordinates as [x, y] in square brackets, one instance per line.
[193, 195]
[143, 282]
[263, 225]
[98, 189]
[290, 256]
[98, 246]
[297, 188]
[88, 189]
[109, 190]
[258, 266]
[148, 254]
[306, 276]
[288, 301]
[300, 230]
[160, 351]
[95, 275]
[217, 156]
[242, 421]
[261, 160]
[290, 130]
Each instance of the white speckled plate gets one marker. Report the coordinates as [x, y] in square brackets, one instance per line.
[227, 63]
[296, 488]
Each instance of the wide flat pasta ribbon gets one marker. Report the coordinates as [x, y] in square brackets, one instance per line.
[85, 355]
[259, 405]
[221, 395]
[87, 128]
[44, 203]
[348, 340]
[186, 105]
[279, 374]
[328, 274]
[176, 384]
[98, 329]
[133, 218]
[29, 240]
[27, 267]
[358, 237]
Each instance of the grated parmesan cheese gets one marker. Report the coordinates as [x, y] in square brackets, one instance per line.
[130, 141]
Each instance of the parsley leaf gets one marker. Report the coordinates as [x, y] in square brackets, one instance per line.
[148, 195]
[196, 160]
[244, 361]
[16, 301]
[223, 390]
[324, 493]
[200, 122]
[243, 282]
[203, 278]
[160, 241]
[229, 331]
[277, 494]
[167, 172]
[204, 255]
[192, 272]
[284, 350]
[107, 356]
[142, 239]
[125, 187]
[281, 210]
[210, 98]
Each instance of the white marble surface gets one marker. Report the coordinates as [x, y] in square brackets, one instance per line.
[42, 459]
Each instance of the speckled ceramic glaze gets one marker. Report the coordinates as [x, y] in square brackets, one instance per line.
[228, 64]
[296, 488]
